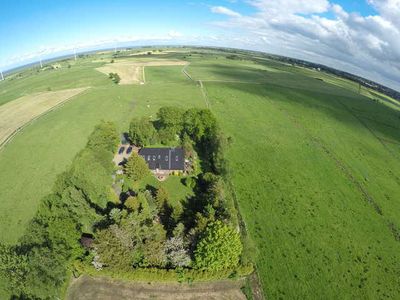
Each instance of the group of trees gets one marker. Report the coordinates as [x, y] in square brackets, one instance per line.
[144, 230]
[193, 128]
[150, 230]
[114, 77]
[36, 268]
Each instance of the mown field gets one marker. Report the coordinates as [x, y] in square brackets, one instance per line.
[315, 165]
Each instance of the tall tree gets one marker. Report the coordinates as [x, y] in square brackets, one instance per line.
[219, 248]
[136, 168]
[171, 117]
[142, 132]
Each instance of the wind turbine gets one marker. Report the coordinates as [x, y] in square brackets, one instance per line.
[2, 77]
[41, 65]
[75, 53]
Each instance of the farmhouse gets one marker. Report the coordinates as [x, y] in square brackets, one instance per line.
[170, 159]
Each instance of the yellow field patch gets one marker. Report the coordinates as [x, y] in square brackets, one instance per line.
[131, 72]
[15, 114]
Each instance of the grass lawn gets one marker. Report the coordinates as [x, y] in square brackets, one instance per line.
[177, 191]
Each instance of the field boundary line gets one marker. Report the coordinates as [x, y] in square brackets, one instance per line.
[256, 287]
[19, 129]
[186, 73]
[204, 93]
[202, 89]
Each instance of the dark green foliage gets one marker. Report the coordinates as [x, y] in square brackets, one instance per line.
[136, 168]
[13, 268]
[187, 145]
[114, 77]
[114, 247]
[167, 135]
[104, 137]
[51, 242]
[142, 132]
[199, 123]
[219, 248]
[133, 241]
[93, 179]
[161, 196]
[170, 121]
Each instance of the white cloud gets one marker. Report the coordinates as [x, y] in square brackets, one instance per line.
[281, 7]
[365, 45]
[224, 11]
[175, 34]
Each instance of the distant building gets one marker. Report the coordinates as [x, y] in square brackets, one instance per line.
[171, 159]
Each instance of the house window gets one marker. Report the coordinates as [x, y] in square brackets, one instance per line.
[154, 157]
[176, 158]
[159, 156]
[166, 157]
[148, 157]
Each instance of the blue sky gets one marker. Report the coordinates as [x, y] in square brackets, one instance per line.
[350, 35]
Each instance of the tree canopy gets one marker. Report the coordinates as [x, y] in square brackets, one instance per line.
[136, 168]
[219, 248]
[142, 132]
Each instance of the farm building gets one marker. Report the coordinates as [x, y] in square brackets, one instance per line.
[171, 159]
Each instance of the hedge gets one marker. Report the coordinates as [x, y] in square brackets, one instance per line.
[163, 275]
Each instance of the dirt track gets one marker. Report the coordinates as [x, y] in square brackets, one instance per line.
[106, 289]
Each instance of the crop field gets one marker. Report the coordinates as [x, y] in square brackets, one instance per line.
[314, 160]
[131, 72]
[15, 114]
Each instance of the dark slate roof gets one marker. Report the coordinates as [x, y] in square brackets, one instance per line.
[164, 158]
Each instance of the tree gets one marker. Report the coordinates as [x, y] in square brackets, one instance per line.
[161, 196]
[142, 132]
[136, 168]
[13, 268]
[199, 123]
[104, 136]
[177, 253]
[116, 79]
[154, 246]
[219, 248]
[171, 117]
[170, 123]
[114, 247]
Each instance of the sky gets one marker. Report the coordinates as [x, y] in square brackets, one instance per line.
[358, 36]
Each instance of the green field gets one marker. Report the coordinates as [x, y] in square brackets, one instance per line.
[31, 162]
[315, 165]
